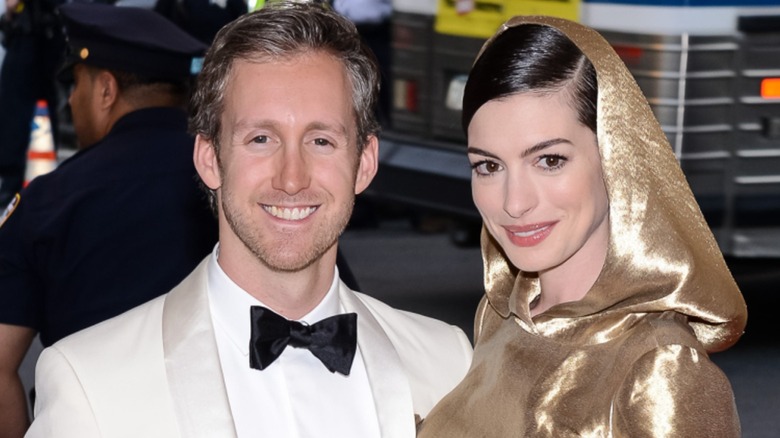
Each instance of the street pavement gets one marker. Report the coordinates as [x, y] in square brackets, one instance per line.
[428, 274]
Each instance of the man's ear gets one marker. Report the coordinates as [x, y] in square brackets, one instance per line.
[368, 165]
[107, 89]
[205, 158]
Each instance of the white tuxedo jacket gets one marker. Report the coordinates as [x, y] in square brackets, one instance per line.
[154, 371]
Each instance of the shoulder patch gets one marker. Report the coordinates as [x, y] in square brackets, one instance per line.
[10, 209]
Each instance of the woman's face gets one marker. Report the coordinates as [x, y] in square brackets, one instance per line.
[537, 183]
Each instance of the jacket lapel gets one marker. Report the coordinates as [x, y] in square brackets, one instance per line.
[389, 384]
[192, 360]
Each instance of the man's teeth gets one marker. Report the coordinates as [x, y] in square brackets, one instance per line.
[290, 214]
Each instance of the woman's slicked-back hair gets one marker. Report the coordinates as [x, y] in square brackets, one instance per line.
[532, 58]
[279, 31]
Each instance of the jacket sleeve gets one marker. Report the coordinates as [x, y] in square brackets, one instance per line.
[20, 291]
[675, 390]
[62, 409]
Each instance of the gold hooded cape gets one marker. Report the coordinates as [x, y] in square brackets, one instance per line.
[630, 358]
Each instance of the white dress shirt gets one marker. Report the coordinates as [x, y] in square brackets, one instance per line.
[295, 396]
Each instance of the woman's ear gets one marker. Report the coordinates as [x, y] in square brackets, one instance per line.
[206, 162]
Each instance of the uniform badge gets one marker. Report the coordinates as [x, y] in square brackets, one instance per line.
[10, 209]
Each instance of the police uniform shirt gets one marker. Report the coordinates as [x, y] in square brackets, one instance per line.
[117, 224]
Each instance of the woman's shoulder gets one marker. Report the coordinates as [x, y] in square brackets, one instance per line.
[660, 329]
[675, 386]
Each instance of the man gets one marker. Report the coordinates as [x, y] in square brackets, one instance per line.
[260, 339]
[122, 221]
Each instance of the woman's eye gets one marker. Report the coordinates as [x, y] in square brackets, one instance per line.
[486, 167]
[260, 139]
[552, 162]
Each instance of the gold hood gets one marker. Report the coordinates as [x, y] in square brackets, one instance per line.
[662, 256]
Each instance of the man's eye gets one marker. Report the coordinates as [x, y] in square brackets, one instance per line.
[322, 142]
[260, 139]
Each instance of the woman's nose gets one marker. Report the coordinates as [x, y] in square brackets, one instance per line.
[520, 195]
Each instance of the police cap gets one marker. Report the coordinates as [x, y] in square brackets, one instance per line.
[129, 39]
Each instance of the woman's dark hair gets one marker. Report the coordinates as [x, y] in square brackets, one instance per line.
[532, 58]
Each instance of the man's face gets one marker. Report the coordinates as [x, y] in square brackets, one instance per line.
[288, 169]
[83, 104]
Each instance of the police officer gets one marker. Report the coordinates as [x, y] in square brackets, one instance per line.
[123, 220]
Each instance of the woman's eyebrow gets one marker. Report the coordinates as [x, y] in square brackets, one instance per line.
[532, 150]
[543, 145]
[478, 151]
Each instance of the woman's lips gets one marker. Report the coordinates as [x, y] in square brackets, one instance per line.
[529, 235]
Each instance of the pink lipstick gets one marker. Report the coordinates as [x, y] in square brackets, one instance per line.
[529, 235]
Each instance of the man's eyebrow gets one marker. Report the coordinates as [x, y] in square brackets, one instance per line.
[273, 124]
[322, 126]
[530, 151]
[254, 124]
[244, 126]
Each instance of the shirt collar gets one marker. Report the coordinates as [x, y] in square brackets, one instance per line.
[228, 302]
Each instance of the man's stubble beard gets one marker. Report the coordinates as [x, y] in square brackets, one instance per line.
[270, 251]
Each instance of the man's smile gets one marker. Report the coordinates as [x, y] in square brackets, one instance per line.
[289, 213]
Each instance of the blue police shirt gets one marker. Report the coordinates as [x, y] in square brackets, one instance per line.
[114, 226]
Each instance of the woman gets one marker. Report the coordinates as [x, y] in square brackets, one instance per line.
[605, 289]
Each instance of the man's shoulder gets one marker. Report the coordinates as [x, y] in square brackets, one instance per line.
[408, 329]
[434, 355]
[384, 311]
[111, 374]
[139, 327]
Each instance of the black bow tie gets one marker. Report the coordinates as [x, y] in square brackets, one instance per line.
[333, 340]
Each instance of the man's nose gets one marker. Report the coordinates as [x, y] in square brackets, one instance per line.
[292, 171]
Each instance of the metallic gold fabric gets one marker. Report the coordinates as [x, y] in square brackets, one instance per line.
[630, 358]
